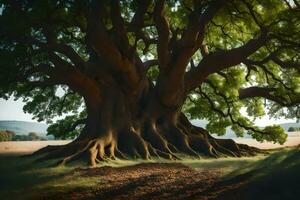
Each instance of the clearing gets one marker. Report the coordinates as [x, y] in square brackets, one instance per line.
[274, 176]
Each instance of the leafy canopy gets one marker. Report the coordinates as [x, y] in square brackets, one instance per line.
[26, 27]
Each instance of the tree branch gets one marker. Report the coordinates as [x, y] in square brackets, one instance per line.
[229, 114]
[163, 30]
[192, 40]
[119, 27]
[150, 63]
[222, 59]
[101, 42]
[267, 93]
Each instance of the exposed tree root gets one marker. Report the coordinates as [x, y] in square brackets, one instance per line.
[167, 142]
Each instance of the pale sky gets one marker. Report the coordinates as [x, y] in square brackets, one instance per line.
[13, 110]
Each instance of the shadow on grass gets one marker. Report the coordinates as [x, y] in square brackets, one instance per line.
[276, 177]
[20, 174]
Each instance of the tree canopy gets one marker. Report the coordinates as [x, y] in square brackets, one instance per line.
[234, 60]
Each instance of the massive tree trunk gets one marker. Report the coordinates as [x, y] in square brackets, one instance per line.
[139, 125]
[129, 115]
[100, 50]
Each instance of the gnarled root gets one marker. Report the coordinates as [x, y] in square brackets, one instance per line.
[163, 141]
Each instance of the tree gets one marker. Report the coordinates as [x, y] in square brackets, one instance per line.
[33, 136]
[132, 73]
[7, 135]
[291, 129]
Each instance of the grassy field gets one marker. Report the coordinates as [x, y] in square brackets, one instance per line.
[21, 178]
[275, 176]
[26, 147]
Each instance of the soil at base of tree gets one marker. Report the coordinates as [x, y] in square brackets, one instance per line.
[156, 181]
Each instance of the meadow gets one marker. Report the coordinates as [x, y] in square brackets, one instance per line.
[269, 176]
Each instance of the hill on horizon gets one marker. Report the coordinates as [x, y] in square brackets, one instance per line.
[24, 127]
[231, 134]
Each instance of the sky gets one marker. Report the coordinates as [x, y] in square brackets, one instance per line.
[13, 110]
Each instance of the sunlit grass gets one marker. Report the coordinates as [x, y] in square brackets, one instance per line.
[22, 177]
[226, 165]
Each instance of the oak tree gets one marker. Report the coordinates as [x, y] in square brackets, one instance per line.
[132, 73]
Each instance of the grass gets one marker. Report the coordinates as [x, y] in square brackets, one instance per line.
[277, 175]
[19, 175]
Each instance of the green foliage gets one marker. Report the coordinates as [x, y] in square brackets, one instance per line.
[273, 133]
[218, 126]
[217, 100]
[278, 174]
[293, 129]
[63, 129]
[233, 30]
[6, 135]
[45, 104]
[153, 73]
[255, 107]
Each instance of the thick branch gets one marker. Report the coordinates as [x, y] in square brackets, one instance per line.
[217, 61]
[44, 83]
[137, 22]
[163, 30]
[267, 93]
[273, 57]
[192, 40]
[104, 46]
[286, 64]
[119, 27]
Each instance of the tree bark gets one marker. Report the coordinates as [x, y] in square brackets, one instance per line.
[124, 126]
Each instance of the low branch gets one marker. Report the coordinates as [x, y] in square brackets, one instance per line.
[266, 93]
[220, 60]
[228, 114]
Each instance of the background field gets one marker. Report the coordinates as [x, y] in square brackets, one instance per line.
[272, 176]
[25, 147]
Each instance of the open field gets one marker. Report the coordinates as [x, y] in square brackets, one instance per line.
[25, 147]
[292, 140]
[262, 177]
[274, 176]
[158, 179]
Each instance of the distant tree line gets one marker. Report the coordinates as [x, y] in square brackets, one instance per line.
[8, 135]
[293, 129]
